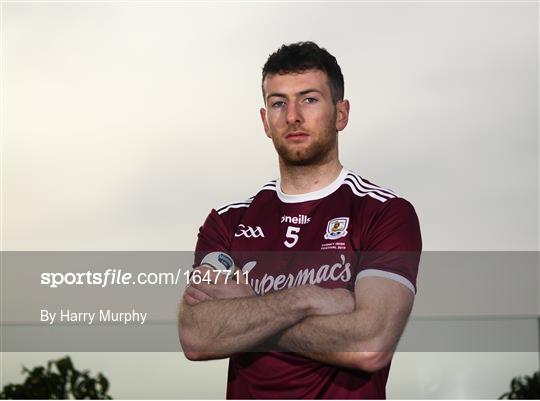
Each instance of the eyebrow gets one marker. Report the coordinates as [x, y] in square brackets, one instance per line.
[304, 92]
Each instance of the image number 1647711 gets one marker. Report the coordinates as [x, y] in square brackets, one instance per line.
[198, 277]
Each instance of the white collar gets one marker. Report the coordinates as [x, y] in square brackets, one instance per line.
[319, 194]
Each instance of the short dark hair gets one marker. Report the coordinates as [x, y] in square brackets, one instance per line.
[303, 56]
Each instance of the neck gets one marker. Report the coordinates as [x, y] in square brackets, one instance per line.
[296, 180]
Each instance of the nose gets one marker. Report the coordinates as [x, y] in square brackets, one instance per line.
[294, 114]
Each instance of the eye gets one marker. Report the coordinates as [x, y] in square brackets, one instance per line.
[311, 100]
[278, 104]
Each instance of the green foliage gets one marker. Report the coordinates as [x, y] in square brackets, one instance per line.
[59, 380]
[524, 388]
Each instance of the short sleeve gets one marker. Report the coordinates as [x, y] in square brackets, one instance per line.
[392, 245]
[213, 236]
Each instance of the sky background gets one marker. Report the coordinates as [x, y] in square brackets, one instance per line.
[125, 123]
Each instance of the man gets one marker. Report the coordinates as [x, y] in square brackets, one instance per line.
[334, 276]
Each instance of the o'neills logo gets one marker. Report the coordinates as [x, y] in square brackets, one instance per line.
[340, 271]
[300, 219]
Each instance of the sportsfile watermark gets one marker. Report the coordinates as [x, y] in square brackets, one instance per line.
[118, 277]
[129, 301]
[110, 277]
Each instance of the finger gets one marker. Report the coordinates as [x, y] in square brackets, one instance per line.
[203, 275]
[197, 293]
[214, 291]
[204, 268]
[201, 271]
[221, 277]
[190, 300]
[243, 277]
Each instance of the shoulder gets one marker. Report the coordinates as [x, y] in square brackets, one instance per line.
[362, 188]
[239, 208]
[380, 208]
[376, 198]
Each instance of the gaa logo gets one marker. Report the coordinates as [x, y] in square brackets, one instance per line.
[248, 232]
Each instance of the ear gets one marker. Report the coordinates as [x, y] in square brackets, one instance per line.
[265, 124]
[342, 110]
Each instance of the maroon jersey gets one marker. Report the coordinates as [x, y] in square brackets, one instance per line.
[330, 238]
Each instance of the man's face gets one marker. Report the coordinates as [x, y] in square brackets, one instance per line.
[301, 118]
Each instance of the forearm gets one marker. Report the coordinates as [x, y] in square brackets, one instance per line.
[322, 333]
[345, 340]
[220, 328]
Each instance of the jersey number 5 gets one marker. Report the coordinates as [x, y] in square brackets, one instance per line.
[292, 236]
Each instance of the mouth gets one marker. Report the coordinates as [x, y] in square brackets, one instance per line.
[297, 136]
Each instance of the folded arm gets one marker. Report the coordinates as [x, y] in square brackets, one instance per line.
[364, 339]
[218, 320]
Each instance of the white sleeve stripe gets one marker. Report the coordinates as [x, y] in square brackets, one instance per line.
[233, 206]
[385, 274]
[355, 191]
[363, 185]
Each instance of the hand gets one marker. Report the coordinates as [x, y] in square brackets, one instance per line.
[327, 301]
[220, 286]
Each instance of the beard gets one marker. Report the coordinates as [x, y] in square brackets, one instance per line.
[315, 153]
